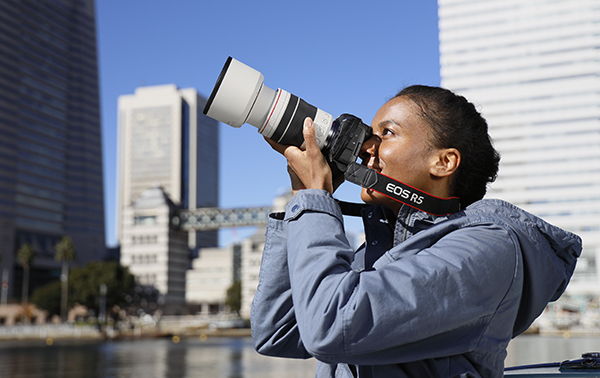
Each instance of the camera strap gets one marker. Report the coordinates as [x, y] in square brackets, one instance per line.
[371, 179]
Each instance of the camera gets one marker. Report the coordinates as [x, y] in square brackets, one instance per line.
[240, 96]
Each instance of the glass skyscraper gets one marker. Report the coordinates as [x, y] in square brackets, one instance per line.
[533, 68]
[50, 145]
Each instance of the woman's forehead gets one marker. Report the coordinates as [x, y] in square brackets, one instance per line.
[400, 111]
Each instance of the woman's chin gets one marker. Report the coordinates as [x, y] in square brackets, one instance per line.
[369, 196]
[372, 197]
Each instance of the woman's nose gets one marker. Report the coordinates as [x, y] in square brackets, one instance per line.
[368, 148]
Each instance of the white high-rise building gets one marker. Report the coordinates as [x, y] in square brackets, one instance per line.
[533, 69]
[156, 254]
[166, 141]
[168, 159]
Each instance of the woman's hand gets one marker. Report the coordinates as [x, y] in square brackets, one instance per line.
[308, 168]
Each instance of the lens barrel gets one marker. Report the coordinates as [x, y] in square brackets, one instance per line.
[239, 97]
[289, 128]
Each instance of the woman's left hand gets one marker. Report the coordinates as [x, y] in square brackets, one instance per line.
[309, 165]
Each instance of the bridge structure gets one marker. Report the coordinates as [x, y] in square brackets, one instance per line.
[213, 218]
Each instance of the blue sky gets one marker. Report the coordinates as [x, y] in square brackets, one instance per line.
[341, 56]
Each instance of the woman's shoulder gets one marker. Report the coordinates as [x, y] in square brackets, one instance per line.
[496, 210]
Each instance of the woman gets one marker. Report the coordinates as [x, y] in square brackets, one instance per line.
[426, 296]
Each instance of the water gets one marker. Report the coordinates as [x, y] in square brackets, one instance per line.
[532, 349]
[213, 357]
[148, 358]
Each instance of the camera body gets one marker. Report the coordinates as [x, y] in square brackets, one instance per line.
[240, 96]
[344, 148]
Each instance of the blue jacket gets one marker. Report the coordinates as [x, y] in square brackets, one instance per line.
[427, 297]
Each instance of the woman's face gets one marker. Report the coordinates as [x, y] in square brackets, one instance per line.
[400, 148]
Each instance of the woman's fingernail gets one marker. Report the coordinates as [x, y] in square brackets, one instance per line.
[308, 123]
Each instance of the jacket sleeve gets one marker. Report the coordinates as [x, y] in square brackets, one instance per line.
[272, 318]
[432, 302]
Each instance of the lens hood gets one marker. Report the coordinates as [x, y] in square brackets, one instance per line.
[234, 94]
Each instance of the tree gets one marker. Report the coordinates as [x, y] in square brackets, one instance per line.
[47, 297]
[234, 297]
[84, 287]
[64, 252]
[25, 254]
[84, 284]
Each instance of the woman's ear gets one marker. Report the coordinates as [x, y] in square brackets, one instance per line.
[445, 162]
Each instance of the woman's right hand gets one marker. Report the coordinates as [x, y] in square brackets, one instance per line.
[308, 168]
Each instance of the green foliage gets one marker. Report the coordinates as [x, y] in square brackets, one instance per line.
[234, 297]
[26, 254]
[48, 297]
[84, 284]
[65, 249]
[84, 287]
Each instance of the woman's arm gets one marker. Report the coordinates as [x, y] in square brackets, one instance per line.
[274, 327]
[273, 322]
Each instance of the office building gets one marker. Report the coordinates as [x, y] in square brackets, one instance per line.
[212, 274]
[156, 254]
[50, 149]
[165, 141]
[533, 69]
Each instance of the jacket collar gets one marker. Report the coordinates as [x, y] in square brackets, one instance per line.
[410, 221]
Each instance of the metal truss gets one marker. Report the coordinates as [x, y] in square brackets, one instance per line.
[205, 219]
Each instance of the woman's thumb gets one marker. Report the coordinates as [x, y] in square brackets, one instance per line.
[308, 131]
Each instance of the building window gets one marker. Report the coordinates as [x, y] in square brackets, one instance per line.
[144, 219]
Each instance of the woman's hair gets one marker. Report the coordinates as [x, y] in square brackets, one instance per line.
[455, 123]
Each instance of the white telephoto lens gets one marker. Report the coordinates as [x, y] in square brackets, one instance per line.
[239, 97]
